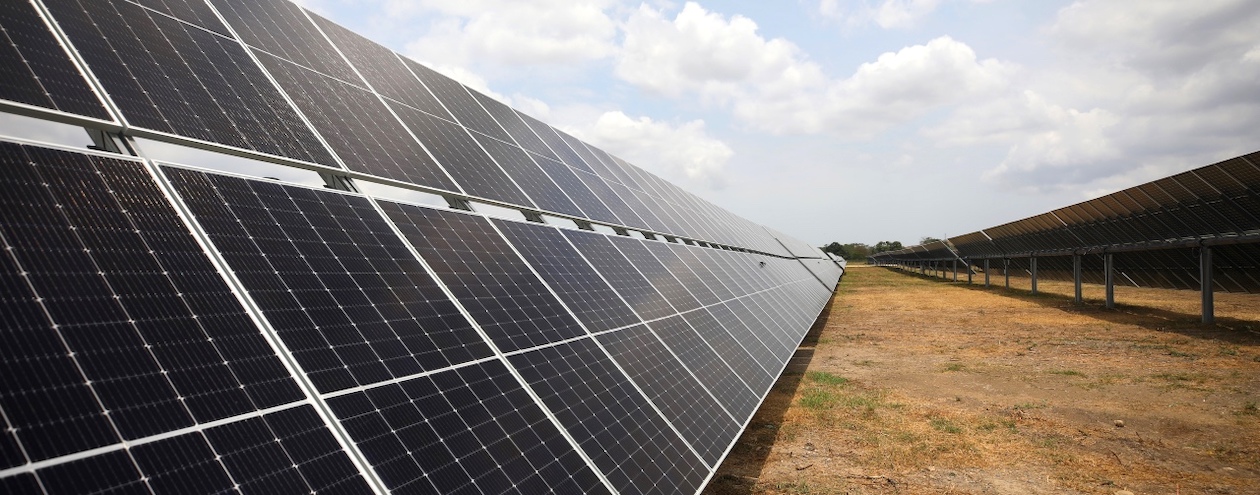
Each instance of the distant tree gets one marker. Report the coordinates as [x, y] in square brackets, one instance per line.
[884, 246]
[855, 251]
[926, 240]
[834, 248]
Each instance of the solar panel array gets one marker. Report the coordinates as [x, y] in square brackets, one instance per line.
[1152, 230]
[174, 329]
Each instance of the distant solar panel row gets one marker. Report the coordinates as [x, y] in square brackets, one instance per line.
[322, 341]
[270, 78]
[1149, 229]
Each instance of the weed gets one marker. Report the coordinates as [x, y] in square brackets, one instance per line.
[1251, 409]
[955, 367]
[945, 426]
[1066, 372]
[817, 399]
[865, 362]
[825, 378]
[1028, 406]
[1176, 353]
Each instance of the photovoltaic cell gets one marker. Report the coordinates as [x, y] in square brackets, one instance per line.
[745, 333]
[385, 70]
[690, 257]
[676, 267]
[282, 29]
[458, 100]
[562, 267]
[466, 161]
[656, 273]
[707, 365]
[195, 12]
[469, 430]
[515, 127]
[582, 196]
[35, 70]
[360, 128]
[555, 143]
[731, 349]
[175, 78]
[529, 177]
[621, 275]
[687, 405]
[609, 197]
[135, 320]
[343, 292]
[508, 301]
[610, 420]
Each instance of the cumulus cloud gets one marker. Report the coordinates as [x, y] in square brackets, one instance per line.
[684, 151]
[1162, 89]
[771, 85]
[511, 32]
[887, 14]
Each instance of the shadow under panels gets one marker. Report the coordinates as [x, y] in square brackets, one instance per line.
[119, 329]
[179, 79]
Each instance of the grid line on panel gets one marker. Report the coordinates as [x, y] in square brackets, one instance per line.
[175, 78]
[195, 12]
[616, 427]
[568, 274]
[691, 257]
[137, 324]
[458, 100]
[37, 70]
[473, 429]
[675, 265]
[677, 394]
[742, 362]
[344, 294]
[507, 300]
[620, 274]
[714, 373]
[642, 259]
[355, 122]
[281, 29]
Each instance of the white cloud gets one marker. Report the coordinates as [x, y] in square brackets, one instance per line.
[772, 86]
[1138, 94]
[888, 14]
[511, 32]
[683, 151]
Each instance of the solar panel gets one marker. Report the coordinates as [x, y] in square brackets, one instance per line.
[178, 79]
[473, 429]
[172, 329]
[340, 288]
[611, 421]
[36, 70]
[687, 405]
[569, 275]
[503, 295]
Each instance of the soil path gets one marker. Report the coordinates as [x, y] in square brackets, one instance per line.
[920, 385]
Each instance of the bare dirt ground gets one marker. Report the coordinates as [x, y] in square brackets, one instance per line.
[921, 385]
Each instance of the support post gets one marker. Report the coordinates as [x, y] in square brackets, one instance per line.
[1076, 277]
[986, 273]
[955, 270]
[1032, 263]
[1109, 276]
[970, 273]
[1006, 270]
[1205, 283]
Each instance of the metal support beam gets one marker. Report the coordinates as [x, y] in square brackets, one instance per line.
[1032, 263]
[970, 273]
[986, 273]
[1109, 276]
[1205, 284]
[1076, 278]
[955, 270]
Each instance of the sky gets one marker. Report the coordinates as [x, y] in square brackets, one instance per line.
[865, 120]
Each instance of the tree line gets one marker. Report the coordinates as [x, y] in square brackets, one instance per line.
[858, 251]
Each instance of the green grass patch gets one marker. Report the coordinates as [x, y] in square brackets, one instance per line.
[1066, 373]
[955, 367]
[818, 399]
[945, 426]
[825, 378]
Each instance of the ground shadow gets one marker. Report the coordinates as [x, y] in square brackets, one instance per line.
[738, 473]
[1226, 329]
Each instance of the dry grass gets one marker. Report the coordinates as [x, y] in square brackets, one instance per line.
[927, 386]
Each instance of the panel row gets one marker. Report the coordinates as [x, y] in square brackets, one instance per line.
[271, 78]
[454, 352]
